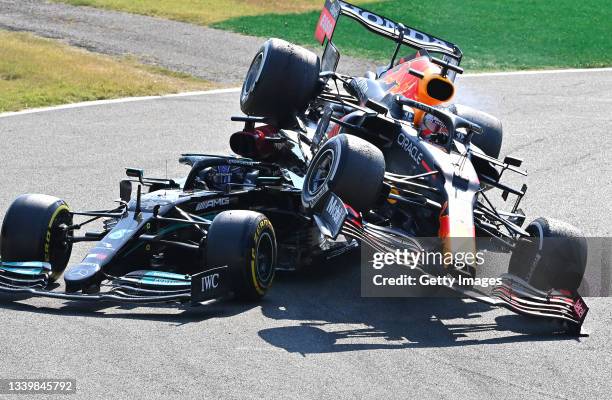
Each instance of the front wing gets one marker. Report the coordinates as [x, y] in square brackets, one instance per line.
[142, 287]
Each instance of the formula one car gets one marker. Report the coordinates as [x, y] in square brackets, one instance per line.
[330, 160]
[393, 160]
[222, 230]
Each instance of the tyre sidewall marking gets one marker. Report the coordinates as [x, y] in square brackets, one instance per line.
[261, 228]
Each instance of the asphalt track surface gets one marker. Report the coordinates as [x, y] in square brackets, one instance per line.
[313, 336]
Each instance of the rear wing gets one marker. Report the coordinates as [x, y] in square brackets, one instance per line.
[379, 25]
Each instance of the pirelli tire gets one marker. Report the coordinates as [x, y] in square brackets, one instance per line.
[31, 231]
[282, 79]
[244, 241]
[554, 257]
[348, 166]
[491, 138]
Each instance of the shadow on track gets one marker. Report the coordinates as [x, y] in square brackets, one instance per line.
[170, 313]
[331, 316]
[328, 315]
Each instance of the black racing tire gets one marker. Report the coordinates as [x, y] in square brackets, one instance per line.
[348, 166]
[245, 241]
[490, 140]
[282, 79]
[553, 258]
[30, 232]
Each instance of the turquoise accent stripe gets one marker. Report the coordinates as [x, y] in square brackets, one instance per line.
[166, 275]
[6, 265]
[23, 271]
[163, 281]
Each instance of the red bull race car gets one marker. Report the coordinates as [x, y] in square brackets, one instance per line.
[395, 164]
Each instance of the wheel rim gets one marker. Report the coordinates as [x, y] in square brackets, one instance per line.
[60, 249]
[321, 172]
[252, 76]
[265, 258]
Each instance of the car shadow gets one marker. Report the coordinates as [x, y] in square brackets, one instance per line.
[176, 314]
[327, 314]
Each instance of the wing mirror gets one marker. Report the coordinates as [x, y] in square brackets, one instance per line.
[125, 190]
[135, 173]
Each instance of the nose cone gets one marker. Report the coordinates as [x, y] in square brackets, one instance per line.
[82, 276]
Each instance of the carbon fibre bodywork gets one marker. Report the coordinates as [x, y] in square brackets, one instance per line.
[153, 248]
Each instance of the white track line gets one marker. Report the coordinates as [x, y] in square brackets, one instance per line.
[235, 90]
[117, 101]
[537, 72]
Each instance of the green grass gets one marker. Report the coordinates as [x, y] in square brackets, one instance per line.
[37, 72]
[494, 35]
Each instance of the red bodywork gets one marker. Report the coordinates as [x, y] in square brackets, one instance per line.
[254, 143]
